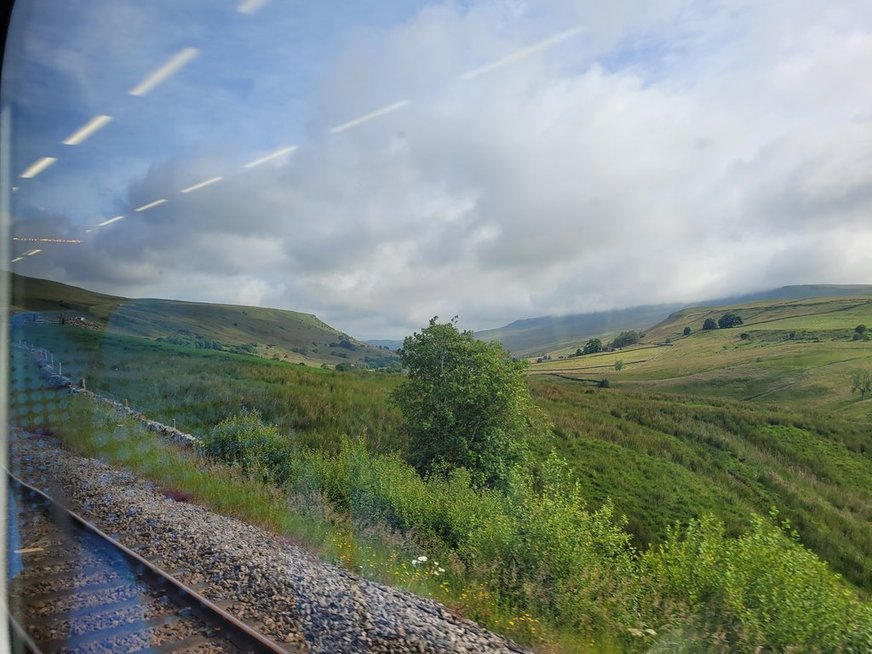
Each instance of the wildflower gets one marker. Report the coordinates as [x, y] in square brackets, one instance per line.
[441, 569]
[422, 559]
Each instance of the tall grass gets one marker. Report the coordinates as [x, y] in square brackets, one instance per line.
[662, 458]
[539, 553]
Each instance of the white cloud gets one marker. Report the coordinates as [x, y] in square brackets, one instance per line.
[672, 152]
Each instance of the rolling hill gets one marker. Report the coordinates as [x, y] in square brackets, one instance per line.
[535, 336]
[273, 333]
[792, 352]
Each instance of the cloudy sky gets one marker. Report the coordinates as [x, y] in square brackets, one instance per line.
[494, 159]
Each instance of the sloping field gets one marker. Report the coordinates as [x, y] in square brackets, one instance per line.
[786, 352]
[663, 458]
[532, 337]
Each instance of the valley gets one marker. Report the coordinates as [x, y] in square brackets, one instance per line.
[720, 425]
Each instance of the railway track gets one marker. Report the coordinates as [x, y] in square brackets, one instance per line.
[73, 588]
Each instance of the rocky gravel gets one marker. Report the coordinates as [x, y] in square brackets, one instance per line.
[282, 590]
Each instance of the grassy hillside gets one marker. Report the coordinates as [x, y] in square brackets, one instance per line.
[196, 389]
[550, 562]
[664, 458]
[660, 457]
[787, 353]
[272, 333]
[564, 334]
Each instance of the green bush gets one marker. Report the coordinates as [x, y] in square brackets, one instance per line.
[762, 590]
[563, 561]
[256, 447]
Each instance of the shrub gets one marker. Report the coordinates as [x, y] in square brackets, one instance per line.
[709, 324]
[256, 447]
[687, 331]
[762, 590]
[573, 565]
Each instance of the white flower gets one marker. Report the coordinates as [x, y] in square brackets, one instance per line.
[422, 559]
[441, 569]
[414, 561]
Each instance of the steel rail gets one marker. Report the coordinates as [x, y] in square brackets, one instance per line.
[236, 631]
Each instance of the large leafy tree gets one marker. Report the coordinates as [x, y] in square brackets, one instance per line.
[729, 319]
[465, 404]
[593, 346]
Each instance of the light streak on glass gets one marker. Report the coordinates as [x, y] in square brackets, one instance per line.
[109, 221]
[250, 6]
[273, 155]
[41, 239]
[522, 54]
[17, 259]
[196, 187]
[167, 70]
[378, 113]
[87, 129]
[151, 204]
[38, 166]
[30, 253]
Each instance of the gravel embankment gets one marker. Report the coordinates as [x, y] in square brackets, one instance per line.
[281, 589]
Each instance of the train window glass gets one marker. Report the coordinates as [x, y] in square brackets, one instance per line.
[437, 325]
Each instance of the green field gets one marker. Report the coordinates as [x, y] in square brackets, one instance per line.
[795, 353]
[533, 337]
